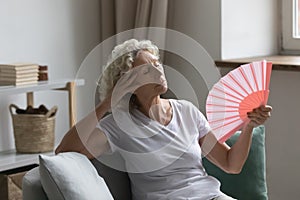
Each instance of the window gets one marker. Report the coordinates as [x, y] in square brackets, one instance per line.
[290, 24]
[298, 19]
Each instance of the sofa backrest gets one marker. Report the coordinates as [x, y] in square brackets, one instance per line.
[117, 181]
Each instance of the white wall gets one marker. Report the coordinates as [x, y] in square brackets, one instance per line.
[233, 29]
[57, 33]
[199, 19]
[283, 135]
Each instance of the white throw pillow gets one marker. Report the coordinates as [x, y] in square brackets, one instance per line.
[71, 176]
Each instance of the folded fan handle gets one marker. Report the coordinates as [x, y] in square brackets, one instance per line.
[11, 106]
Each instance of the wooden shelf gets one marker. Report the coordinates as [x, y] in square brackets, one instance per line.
[40, 86]
[11, 159]
[280, 62]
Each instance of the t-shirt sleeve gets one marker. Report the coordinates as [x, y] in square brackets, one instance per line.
[200, 120]
[203, 125]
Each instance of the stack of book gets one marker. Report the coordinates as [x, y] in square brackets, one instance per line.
[18, 74]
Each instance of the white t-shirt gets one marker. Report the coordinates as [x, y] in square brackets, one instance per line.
[163, 162]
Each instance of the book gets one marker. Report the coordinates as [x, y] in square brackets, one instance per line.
[12, 79]
[19, 66]
[12, 71]
[43, 73]
[5, 83]
[14, 75]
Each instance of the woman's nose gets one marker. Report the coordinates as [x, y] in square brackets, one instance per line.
[156, 63]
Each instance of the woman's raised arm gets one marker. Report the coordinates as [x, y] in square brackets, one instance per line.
[84, 137]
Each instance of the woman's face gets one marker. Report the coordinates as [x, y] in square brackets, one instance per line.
[152, 72]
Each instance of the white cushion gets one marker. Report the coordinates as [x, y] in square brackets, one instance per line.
[71, 176]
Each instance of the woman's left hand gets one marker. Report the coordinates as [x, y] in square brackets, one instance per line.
[259, 115]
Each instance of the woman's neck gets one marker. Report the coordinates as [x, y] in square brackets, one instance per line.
[156, 108]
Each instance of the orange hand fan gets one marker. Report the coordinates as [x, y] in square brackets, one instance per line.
[239, 92]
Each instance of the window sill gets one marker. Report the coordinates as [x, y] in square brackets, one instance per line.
[280, 62]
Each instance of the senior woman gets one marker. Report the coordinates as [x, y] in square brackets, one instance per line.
[161, 140]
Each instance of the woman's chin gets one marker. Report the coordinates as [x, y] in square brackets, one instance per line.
[162, 89]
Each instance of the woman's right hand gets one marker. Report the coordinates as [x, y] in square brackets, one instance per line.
[135, 78]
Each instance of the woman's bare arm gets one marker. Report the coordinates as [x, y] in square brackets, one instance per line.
[96, 144]
[84, 135]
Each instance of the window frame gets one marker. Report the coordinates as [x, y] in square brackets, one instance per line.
[289, 42]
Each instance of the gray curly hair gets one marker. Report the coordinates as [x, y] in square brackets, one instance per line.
[120, 61]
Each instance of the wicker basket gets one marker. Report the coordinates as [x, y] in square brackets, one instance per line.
[34, 133]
